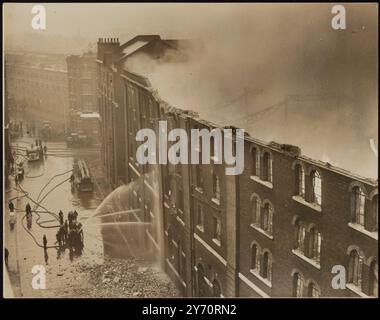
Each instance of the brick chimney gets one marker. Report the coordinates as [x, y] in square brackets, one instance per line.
[108, 50]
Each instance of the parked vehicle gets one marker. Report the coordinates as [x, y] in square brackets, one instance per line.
[33, 154]
[82, 177]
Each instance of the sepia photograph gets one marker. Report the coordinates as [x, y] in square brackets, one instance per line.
[190, 150]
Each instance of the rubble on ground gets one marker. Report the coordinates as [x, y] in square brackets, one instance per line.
[120, 278]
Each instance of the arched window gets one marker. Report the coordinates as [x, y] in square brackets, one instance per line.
[216, 290]
[199, 177]
[268, 218]
[313, 291]
[216, 187]
[256, 162]
[171, 244]
[300, 180]
[179, 200]
[315, 244]
[201, 283]
[297, 285]
[267, 167]
[267, 266]
[217, 230]
[166, 180]
[358, 205]
[317, 187]
[255, 257]
[373, 279]
[179, 257]
[375, 213]
[255, 210]
[200, 218]
[354, 269]
[300, 237]
[212, 146]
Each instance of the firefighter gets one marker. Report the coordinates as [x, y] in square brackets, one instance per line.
[11, 206]
[60, 217]
[66, 231]
[70, 219]
[80, 236]
[28, 209]
[44, 241]
[75, 215]
[62, 234]
[59, 239]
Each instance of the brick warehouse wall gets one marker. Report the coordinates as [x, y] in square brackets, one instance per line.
[195, 262]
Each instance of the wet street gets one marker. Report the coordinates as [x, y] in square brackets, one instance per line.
[88, 275]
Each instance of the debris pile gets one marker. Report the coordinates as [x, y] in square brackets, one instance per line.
[123, 278]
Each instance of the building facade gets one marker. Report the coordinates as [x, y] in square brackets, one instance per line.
[288, 226]
[37, 90]
[82, 82]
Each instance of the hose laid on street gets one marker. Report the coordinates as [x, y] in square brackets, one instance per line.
[27, 230]
[51, 190]
[38, 204]
[57, 175]
[34, 238]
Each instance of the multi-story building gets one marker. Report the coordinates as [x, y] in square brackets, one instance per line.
[82, 72]
[112, 58]
[39, 91]
[287, 226]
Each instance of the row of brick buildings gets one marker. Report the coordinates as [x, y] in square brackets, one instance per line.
[37, 89]
[48, 87]
[276, 230]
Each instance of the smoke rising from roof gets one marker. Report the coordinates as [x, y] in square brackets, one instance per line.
[273, 53]
[268, 51]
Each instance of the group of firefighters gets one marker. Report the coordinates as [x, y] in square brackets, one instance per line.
[70, 233]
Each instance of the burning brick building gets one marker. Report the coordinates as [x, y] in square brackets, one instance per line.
[280, 229]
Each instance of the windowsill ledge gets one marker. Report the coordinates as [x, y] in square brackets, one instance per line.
[216, 201]
[310, 261]
[264, 183]
[356, 290]
[360, 228]
[262, 231]
[215, 159]
[200, 228]
[313, 206]
[199, 190]
[263, 280]
[180, 221]
[216, 241]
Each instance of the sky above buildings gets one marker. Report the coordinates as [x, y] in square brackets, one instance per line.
[273, 50]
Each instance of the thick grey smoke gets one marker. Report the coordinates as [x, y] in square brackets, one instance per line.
[277, 51]
[269, 51]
